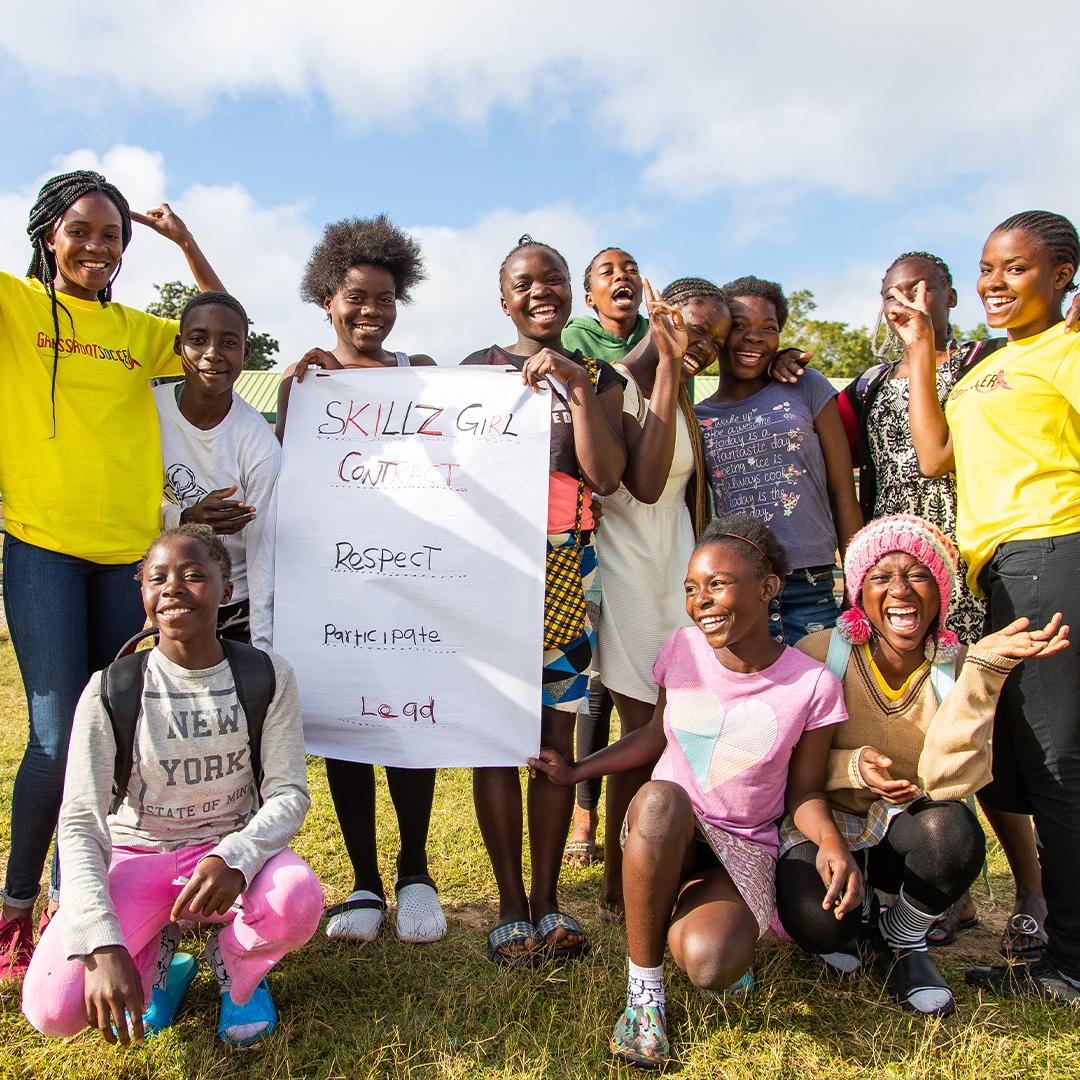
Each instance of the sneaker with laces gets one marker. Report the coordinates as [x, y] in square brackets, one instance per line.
[16, 948]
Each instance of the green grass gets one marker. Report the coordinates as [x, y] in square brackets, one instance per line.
[390, 1010]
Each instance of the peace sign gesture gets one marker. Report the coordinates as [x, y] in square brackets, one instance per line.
[665, 324]
[910, 318]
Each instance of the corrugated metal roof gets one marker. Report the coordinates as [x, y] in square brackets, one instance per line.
[259, 389]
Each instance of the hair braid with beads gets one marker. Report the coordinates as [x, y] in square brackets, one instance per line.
[680, 293]
[1055, 232]
[56, 197]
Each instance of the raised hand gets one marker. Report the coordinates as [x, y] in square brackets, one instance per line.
[874, 769]
[317, 358]
[1016, 642]
[665, 325]
[910, 318]
[165, 221]
[224, 515]
[553, 765]
[113, 988]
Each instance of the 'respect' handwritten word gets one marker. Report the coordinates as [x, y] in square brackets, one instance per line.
[380, 559]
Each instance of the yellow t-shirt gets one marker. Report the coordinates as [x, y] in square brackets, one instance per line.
[93, 491]
[1016, 438]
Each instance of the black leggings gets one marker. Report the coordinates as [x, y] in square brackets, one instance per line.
[934, 850]
[593, 733]
[352, 787]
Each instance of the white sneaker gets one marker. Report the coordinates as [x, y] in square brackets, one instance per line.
[420, 917]
[358, 918]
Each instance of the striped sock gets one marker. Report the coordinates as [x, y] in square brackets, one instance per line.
[904, 926]
[645, 986]
[168, 942]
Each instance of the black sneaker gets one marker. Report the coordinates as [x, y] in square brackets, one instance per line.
[1040, 979]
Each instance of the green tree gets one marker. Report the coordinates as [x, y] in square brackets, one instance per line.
[174, 295]
[840, 351]
[980, 333]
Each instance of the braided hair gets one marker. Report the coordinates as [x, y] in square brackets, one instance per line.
[890, 349]
[1055, 232]
[526, 241]
[681, 293]
[222, 299]
[56, 197]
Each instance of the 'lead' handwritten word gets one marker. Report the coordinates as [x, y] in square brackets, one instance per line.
[411, 710]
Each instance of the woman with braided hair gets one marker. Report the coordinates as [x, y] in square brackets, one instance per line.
[80, 474]
[650, 524]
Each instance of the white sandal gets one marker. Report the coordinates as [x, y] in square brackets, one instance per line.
[420, 917]
[358, 918]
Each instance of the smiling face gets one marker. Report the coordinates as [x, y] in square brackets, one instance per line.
[182, 589]
[614, 285]
[88, 243]
[1020, 285]
[726, 596]
[901, 599]
[753, 340]
[364, 308]
[940, 297]
[213, 347]
[536, 294]
[708, 323]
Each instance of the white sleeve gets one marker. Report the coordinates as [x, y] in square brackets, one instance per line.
[260, 491]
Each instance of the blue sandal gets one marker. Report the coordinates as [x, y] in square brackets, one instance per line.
[258, 1010]
[164, 1004]
[513, 933]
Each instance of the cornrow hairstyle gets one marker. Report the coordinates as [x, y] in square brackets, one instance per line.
[222, 299]
[885, 342]
[191, 530]
[755, 286]
[56, 197]
[353, 242]
[1054, 232]
[588, 269]
[752, 538]
[526, 241]
[681, 293]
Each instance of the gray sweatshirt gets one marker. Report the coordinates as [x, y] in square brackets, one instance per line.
[191, 783]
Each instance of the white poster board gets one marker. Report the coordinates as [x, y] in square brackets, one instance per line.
[412, 514]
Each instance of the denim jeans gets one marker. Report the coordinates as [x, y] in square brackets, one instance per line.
[67, 618]
[1037, 725]
[805, 604]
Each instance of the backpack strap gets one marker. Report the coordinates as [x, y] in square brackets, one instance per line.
[836, 659]
[942, 679]
[121, 694]
[256, 684]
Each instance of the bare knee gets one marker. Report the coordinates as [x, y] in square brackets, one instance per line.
[661, 810]
[710, 962]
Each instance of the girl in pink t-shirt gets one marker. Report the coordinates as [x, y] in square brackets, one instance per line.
[742, 729]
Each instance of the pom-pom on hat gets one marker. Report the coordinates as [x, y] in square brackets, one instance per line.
[921, 540]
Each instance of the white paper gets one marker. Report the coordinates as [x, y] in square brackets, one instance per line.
[412, 514]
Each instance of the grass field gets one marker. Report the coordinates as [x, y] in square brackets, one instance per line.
[389, 1010]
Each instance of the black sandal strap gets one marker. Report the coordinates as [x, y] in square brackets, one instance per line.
[414, 879]
[366, 902]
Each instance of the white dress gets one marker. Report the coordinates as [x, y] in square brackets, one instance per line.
[643, 551]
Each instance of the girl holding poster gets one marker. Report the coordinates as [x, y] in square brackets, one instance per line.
[587, 455]
[357, 273]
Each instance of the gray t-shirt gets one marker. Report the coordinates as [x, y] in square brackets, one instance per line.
[763, 457]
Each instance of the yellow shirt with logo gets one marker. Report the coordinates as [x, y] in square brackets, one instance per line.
[1016, 437]
[94, 489]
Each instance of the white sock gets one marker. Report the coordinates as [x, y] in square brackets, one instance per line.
[845, 963]
[168, 942]
[904, 926]
[645, 986]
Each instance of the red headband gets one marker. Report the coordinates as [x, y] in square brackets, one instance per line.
[756, 547]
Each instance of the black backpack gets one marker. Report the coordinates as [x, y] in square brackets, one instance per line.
[121, 694]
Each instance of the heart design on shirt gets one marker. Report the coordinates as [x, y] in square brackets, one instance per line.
[720, 744]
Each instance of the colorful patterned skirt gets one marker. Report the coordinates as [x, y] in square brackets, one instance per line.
[567, 667]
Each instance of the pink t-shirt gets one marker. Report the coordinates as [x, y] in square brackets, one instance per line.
[730, 736]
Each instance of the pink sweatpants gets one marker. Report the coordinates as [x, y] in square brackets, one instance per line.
[278, 914]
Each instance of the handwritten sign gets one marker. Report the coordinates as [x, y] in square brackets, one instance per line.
[412, 510]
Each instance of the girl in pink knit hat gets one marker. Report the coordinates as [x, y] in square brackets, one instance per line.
[916, 744]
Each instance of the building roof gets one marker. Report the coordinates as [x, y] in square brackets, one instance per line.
[259, 389]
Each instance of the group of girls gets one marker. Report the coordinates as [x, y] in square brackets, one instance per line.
[754, 784]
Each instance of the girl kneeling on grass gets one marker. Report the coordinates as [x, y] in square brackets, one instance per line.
[916, 743]
[200, 832]
[742, 727]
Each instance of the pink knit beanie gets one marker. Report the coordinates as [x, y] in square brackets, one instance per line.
[921, 540]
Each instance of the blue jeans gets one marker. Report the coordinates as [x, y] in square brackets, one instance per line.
[67, 618]
[805, 604]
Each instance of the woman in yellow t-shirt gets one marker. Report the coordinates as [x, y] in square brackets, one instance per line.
[80, 477]
[1011, 430]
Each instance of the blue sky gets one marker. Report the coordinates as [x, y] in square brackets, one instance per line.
[811, 144]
